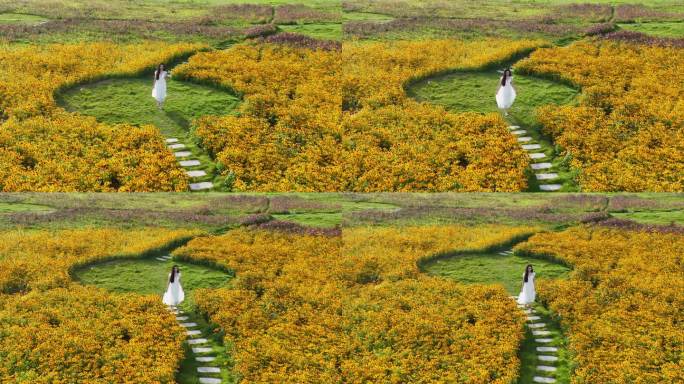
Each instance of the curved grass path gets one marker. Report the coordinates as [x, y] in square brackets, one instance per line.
[543, 354]
[475, 91]
[206, 359]
[129, 100]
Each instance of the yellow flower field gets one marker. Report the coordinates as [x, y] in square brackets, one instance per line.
[331, 121]
[44, 148]
[357, 309]
[56, 331]
[623, 305]
[628, 132]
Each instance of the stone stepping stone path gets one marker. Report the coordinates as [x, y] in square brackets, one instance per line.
[174, 144]
[182, 153]
[527, 143]
[550, 187]
[529, 147]
[201, 186]
[536, 166]
[546, 176]
[547, 360]
[199, 173]
[201, 348]
[189, 163]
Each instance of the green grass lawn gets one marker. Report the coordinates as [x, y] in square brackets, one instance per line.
[325, 31]
[653, 217]
[475, 92]
[20, 18]
[661, 28]
[489, 268]
[130, 101]
[149, 276]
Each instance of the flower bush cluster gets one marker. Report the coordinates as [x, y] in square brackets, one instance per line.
[355, 308]
[44, 148]
[55, 331]
[627, 134]
[623, 304]
[293, 135]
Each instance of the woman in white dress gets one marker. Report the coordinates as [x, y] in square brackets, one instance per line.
[527, 294]
[159, 88]
[506, 94]
[174, 292]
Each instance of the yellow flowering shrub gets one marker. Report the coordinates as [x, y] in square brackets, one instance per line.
[85, 335]
[623, 304]
[44, 148]
[356, 309]
[55, 331]
[330, 121]
[627, 134]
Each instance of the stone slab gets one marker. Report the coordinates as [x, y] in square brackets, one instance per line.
[188, 325]
[533, 318]
[193, 333]
[209, 380]
[537, 156]
[160, 259]
[171, 140]
[181, 318]
[199, 340]
[546, 368]
[546, 176]
[541, 165]
[177, 146]
[201, 350]
[541, 379]
[189, 163]
[208, 369]
[537, 325]
[547, 349]
[550, 187]
[199, 173]
[205, 359]
[182, 153]
[543, 340]
[541, 333]
[529, 147]
[201, 186]
[524, 139]
[513, 127]
[519, 132]
[547, 358]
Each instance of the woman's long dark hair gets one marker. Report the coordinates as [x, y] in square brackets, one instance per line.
[528, 269]
[158, 72]
[506, 74]
[172, 278]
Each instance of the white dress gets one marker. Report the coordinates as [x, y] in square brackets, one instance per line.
[528, 293]
[159, 89]
[506, 94]
[174, 293]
